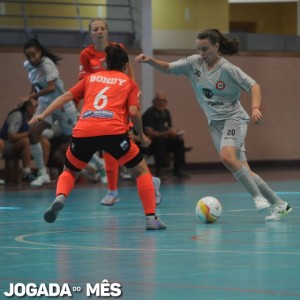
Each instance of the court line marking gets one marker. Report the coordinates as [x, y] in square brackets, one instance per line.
[10, 207]
[138, 214]
[22, 239]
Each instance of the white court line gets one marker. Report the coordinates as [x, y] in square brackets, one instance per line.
[22, 239]
[125, 215]
[137, 214]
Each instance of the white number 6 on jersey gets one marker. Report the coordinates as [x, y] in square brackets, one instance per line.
[101, 97]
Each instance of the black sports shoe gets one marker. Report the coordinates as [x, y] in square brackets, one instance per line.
[52, 212]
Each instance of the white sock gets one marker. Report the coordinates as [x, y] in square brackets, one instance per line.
[37, 153]
[267, 192]
[60, 198]
[155, 180]
[26, 170]
[151, 217]
[243, 176]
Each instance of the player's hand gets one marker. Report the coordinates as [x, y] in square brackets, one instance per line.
[145, 141]
[142, 58]
[36, 120]
[256, 116]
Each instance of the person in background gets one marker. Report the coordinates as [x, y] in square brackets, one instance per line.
[166, 140]
[58, 147]
[14, 136]
[93, 59]
[55, 145]
[46, 86]
[101, 126]
[217, 85]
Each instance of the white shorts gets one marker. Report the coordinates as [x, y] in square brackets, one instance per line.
[66, 117]
[230, 133]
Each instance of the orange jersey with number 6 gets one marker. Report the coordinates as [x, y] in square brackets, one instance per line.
[107, 96]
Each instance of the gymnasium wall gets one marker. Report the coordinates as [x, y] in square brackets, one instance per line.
[268, 18]
[176, 23]
[277, 139]
[65, 13]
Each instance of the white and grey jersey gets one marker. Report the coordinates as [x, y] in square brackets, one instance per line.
[41, 75]
[218, 90]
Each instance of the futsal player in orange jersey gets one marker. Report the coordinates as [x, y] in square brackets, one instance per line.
[109, 97]
[93, 59]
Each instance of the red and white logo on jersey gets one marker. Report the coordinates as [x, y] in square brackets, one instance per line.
[220, 85]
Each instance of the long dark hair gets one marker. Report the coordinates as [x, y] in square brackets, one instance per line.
[116, 57]
[226, 45]
[45, 52]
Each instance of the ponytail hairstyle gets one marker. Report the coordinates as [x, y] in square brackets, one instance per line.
[116, 57]
[34, 43]
[226, 45]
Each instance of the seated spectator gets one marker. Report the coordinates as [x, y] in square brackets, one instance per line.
[157, 124]
[14, 140]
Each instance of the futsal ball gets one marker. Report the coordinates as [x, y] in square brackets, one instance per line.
[208, 209]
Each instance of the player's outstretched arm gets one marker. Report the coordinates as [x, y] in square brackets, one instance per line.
[56, 104]
[159, 65]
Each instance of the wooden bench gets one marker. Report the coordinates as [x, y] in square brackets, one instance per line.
[12, 172]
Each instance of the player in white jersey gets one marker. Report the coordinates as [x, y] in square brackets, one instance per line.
[217, 84]
[46, 86]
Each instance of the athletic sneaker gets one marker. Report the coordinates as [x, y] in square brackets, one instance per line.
[40, 180]
[156, 182]
[52, 212]
[261, 203]
[110, 199]
[278, 212]
[154, 223]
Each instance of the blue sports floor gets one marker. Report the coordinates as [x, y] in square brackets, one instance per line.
[239, 257]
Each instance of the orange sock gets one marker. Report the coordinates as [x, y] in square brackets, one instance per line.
[112, 171]
[147, 193]
[65, 183]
